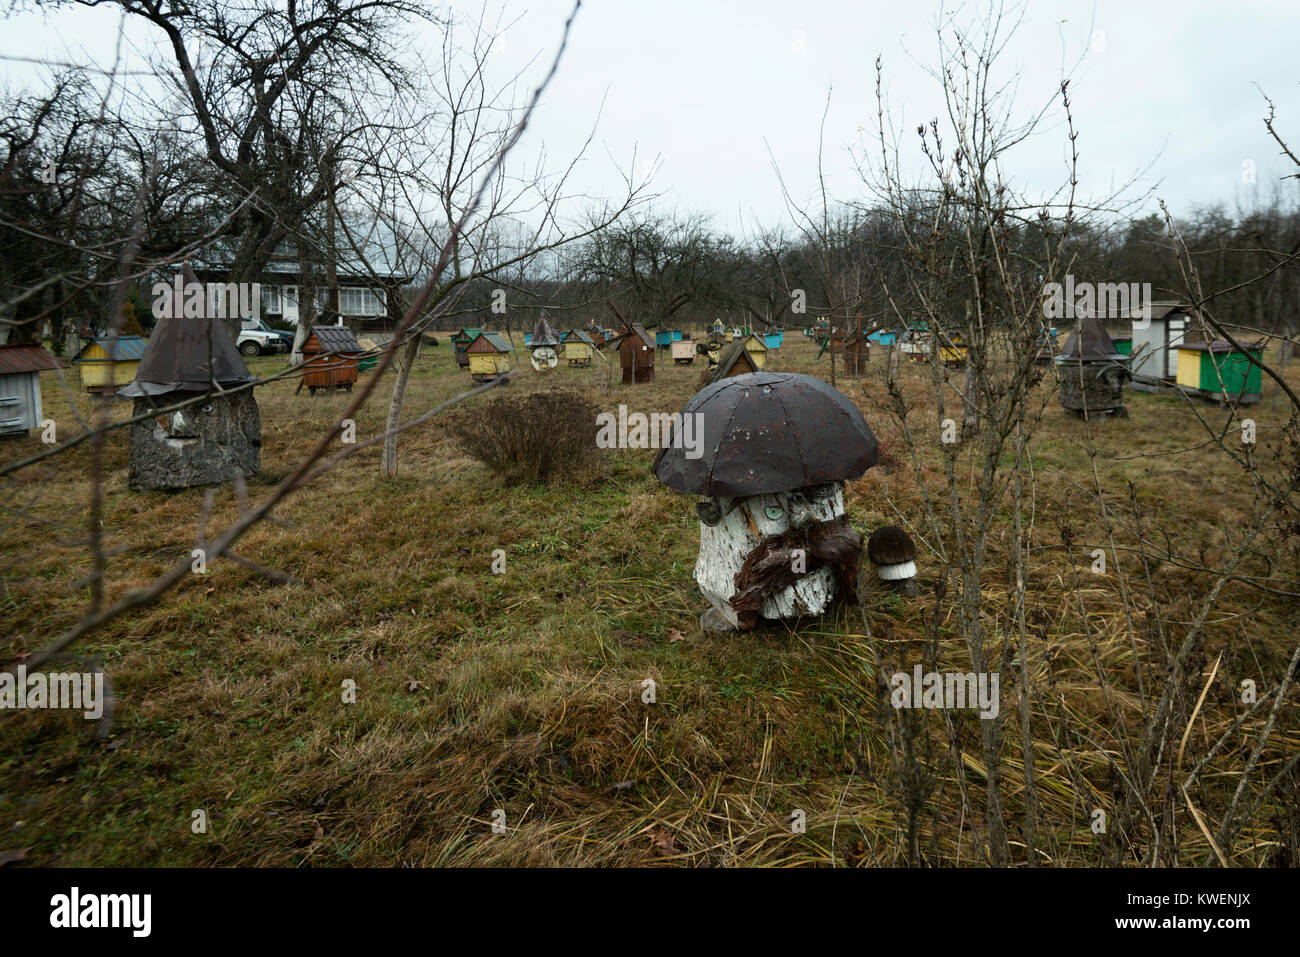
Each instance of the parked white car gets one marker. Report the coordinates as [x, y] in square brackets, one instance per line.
[257, 338]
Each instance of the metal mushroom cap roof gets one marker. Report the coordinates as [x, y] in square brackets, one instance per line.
[769, 432]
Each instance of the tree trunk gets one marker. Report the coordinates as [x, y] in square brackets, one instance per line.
[404, 361]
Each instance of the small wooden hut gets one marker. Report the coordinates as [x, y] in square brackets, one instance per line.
[106, 364]
[756, 348]
[21, 365]
[734, 360]
[579, 348]
[330, 357]
[489, 356]
[1219, 372]
[460, 342]
[636, 354]
[214, 438]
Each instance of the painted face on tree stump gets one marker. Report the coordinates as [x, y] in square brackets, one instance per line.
[775, 541]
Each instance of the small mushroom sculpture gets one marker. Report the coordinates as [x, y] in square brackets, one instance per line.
[893, 553]
[775, 541]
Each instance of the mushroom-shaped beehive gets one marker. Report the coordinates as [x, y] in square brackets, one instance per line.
[769, 432]
[770, 452]
[893, 553]
[1092, 373]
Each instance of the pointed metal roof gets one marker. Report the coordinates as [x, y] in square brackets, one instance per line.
[1089, 342]
[543, 334]
[188, 354]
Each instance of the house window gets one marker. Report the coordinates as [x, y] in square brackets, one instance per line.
[270, 300]
[356, 301]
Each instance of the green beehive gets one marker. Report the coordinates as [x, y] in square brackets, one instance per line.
[1219, 372]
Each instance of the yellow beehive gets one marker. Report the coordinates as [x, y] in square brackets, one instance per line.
[579, 349]
[489, 357]
[98, 373]
[757, 350]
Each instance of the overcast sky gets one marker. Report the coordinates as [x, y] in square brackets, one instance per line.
[702, 91]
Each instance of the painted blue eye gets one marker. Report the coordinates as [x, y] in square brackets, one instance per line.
[774, 512]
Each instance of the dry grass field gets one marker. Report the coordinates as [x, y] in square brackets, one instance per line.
[522, 692]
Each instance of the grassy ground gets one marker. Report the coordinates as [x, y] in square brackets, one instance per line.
[522, 692]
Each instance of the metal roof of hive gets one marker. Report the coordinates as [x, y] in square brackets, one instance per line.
[188, 355]
[121, 349]
[495, 340]
[543, 334]
[1089, 342]
[769, 432]
[336, 339]
[21, 357]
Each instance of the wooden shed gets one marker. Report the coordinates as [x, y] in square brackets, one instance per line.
[106, 364]
[460, 341]
[20, 387]
[329, 359]
[489, 356]
[1219, 372]
[579, 348]
[636, 354]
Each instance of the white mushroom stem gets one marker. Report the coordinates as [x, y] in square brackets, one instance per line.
[896, 573]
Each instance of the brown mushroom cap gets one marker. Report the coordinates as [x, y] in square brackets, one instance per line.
[890, 545]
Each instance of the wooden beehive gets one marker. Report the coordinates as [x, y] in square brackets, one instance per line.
[329, 359]
[107, 364]
[636, 354]
[579, 348]
[20, 387]
[856, 352]
[459, 342]
[489, 356]
[683, 351]
[757, 350]
[733, 360]
[1219, 372]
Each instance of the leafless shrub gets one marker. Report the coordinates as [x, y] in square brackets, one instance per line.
[533, 438]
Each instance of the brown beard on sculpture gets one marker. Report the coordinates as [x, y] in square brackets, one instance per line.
[770, 566]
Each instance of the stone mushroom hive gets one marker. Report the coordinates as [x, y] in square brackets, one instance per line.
[774, 539]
